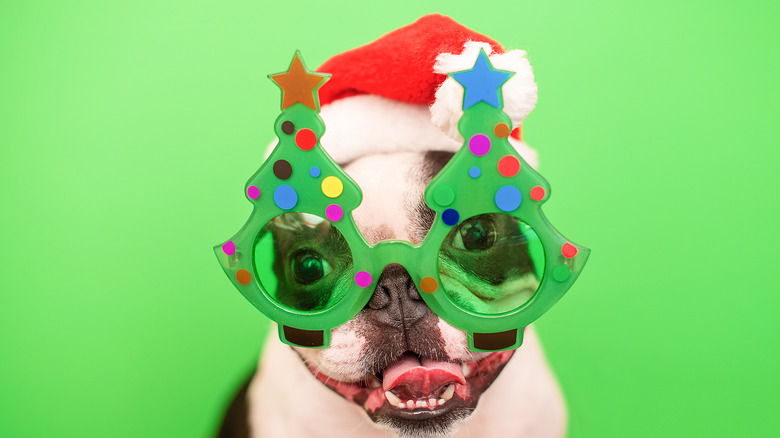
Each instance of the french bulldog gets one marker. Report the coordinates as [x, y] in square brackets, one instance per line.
[397, 369]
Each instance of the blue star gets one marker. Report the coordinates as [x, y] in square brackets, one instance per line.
[482, 83]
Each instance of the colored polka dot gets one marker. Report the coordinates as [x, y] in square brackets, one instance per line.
[314, 171]
[501, 130]
[561, 273]
[568, 250]
[332, 187]
[363, 279]
[334, 213]
[508, 166]
[517, 134]
[508, 198]
[282, 169]
[450, 216]
[229, 247]
[306, 139]
[243, 277]
[479, 144]
[428, 285]
[474, 172]
[443, 194]
[253, 192]
[285, 197]
[288, 127]
[537, 193]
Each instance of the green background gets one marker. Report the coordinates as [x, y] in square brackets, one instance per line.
[127, 131]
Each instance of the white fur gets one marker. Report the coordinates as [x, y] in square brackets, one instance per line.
[372, 125]
[519, 91]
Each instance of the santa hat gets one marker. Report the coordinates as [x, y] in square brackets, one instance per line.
[394, 94]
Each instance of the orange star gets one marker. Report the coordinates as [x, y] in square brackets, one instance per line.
[298, 84]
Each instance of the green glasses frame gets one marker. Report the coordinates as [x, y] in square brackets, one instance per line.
[486, 175]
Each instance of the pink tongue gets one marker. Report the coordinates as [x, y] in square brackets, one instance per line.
[421, 378]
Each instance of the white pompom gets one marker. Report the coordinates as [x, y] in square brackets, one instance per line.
[519, 91]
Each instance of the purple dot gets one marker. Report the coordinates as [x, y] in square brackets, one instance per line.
[334, 213]
[229, 247]
[363, 279]
[479, 144]
[253, 192]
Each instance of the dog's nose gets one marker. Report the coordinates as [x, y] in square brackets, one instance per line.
[396, 301]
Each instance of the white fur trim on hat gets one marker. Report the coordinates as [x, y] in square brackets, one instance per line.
[370, 125]
[519, 91]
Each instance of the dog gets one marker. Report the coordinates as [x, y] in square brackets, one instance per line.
[397, 369]
[351, 388]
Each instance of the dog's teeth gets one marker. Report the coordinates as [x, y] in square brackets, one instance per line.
[448, 392]
[466, 369]
[374, 383]
[431, 402]
[442, 401]
[421, 403]
[401, 405]
[393, 399]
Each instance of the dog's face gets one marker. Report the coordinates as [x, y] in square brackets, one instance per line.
[411, 371]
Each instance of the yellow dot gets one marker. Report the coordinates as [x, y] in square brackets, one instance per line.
[332, 187]
[428, 285]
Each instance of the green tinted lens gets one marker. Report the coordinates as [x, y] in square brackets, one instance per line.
[491, 263]
[303, 262]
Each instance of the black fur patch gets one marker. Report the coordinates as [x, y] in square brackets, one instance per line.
[422, 216]
[235, 423]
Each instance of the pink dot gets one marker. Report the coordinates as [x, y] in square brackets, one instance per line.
[363, 279]
[253, 192]
[334, 213]
[479, 144]
[229, 247]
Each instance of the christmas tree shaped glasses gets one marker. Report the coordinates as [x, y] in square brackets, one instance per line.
[490, 264]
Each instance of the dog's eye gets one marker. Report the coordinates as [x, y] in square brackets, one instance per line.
[309, 266]
[475, 234]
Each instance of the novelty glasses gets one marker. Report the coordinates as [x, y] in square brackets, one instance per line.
[490, 264]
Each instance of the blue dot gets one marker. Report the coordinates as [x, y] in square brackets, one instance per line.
[450, 216]
[314, 171]
[474, 172]
[508, 198]
[285, 197]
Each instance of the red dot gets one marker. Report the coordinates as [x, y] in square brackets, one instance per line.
[305, 139]
[517, 134]
[243, 277]
[537, 193]
[508, 166]
[568, 250]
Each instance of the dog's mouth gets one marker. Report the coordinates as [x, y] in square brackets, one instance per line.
[415, 388]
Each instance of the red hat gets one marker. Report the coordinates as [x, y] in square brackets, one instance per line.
[394, 94]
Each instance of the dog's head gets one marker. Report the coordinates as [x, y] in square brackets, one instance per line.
[406, 367]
